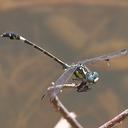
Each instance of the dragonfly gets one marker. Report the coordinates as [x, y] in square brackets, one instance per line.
[87, 78]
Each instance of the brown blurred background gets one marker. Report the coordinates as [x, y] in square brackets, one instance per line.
[72, 30]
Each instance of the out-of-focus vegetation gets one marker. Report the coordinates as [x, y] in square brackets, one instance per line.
[72, 31]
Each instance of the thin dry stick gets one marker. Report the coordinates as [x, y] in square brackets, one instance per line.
[115, 120]
[63, 86]
[65, 113]
[57, 88]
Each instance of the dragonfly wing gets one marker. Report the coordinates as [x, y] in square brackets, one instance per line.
[65, 76]
[63, 79]
[107, 57]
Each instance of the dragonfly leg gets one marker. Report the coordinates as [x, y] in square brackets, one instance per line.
[83, 87]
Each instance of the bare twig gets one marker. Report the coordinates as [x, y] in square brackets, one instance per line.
[61, 108]
[60, 87]
[115, 120]
[55, 89]
[63, 123]
[65, 113]
[52, 93]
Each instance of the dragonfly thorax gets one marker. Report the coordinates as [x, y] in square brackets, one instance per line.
[88, 76]
[80, 72]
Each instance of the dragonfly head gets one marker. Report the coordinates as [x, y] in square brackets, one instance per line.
[92, 77]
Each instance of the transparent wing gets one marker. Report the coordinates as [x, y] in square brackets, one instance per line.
[65, 76]
[107, 57]
[63, 79]
[58, 84]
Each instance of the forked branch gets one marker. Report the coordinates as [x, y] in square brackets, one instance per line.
[66, 114]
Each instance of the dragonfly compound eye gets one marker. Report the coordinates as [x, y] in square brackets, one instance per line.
[92, 77]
